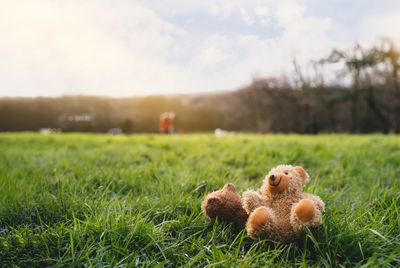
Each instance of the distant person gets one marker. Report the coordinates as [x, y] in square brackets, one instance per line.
[165, 123]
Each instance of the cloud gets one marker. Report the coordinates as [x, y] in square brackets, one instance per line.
[302, 36]
[262, 13]
[248, 19]
[382, 25]
[123, 48]
[258, 13]
[210, 56]
[53, 48]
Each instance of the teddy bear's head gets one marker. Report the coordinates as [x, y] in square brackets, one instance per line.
[284, 178]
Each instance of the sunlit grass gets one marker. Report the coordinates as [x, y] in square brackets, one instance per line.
[101, 200]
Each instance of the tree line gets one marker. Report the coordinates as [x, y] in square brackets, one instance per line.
[362, 96]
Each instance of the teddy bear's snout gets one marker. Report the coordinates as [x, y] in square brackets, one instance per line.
[275, 180]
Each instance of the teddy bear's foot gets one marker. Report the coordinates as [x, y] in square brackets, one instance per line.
[305, 210]
[305, 213]
[225, 204]
[258, 219]
[260, 222]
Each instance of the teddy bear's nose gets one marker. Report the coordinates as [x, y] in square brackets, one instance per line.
[272, 177]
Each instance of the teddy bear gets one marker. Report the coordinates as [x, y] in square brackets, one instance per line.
[227, 205]
[278, 211]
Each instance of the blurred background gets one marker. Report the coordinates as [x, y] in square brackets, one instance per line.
[174, 67]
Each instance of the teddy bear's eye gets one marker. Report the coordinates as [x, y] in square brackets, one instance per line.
[286, 173]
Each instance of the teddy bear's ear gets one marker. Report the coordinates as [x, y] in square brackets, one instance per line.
[302, 172]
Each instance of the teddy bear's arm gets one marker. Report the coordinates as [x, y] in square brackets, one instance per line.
[253, 200]
[316, 199]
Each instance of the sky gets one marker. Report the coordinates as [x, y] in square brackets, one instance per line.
[125, 48]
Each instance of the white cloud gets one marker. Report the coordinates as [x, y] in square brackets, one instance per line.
[289, 12]
[125, 47]
[53, 48]
[291, 16]
[262, 13]
[248, 19]
[210, 56]
[382, 25]
[303, 36]
[258, 13]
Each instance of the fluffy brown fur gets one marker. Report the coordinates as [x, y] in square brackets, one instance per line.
[226, 204]
[277, 211]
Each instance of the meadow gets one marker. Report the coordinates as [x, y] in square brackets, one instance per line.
[120, 201]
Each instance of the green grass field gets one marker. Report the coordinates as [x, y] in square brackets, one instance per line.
[97, 200]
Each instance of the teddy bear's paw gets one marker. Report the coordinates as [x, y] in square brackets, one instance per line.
[260, 224]
[305, 211]
[260, 219]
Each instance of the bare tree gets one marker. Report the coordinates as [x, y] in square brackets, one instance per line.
[355, 61]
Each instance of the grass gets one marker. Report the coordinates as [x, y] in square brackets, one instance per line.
[97, 200]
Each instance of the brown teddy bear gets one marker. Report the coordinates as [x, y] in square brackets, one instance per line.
[277, 211]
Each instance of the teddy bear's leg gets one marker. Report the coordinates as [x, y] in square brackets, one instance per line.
[226, 204]
[260, 222]
[305, 213]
